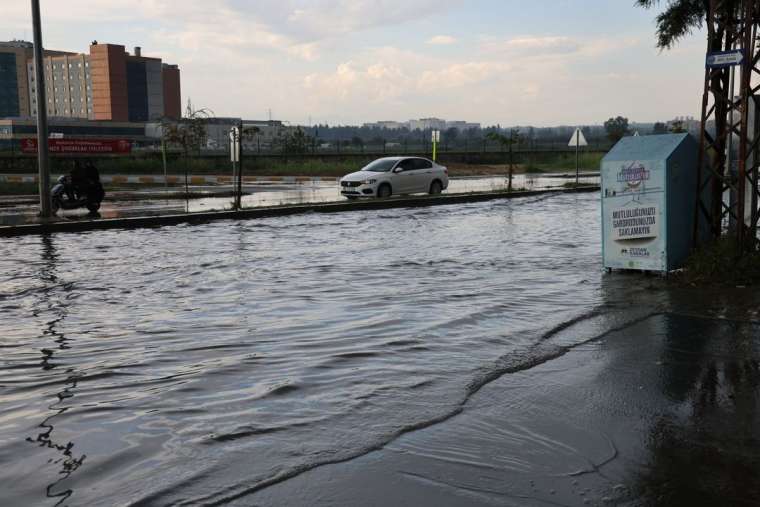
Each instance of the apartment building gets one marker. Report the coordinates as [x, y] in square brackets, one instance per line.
[15, 99]
[107, 84]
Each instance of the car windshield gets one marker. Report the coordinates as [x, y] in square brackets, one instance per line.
[382, 165]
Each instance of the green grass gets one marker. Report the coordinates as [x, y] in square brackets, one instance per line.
[561, 162]
[719, 263]
[538, 162]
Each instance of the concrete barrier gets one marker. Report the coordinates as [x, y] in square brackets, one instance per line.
[177, 179]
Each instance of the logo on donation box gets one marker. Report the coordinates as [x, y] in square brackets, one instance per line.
[633, 176]
[635, 222]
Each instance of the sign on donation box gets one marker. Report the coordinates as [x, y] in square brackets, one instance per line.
[649, 186]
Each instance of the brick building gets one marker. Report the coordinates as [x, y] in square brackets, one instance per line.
[106, 84]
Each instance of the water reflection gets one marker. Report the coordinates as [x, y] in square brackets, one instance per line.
[707, 450]
[52, 302]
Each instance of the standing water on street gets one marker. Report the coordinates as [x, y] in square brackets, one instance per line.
[199, 363]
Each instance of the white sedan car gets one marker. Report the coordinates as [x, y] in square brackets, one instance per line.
[389, 176]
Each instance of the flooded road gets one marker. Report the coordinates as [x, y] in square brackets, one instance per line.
[273, 194]
[205, 364]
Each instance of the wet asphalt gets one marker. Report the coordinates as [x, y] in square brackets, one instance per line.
[468, 354]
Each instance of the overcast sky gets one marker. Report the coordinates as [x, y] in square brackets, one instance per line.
[539, 62]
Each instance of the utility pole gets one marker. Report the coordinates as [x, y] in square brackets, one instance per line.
[43, 158]
[577, 150]
[239, 182]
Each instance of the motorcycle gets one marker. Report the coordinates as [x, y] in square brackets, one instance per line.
[66, 195]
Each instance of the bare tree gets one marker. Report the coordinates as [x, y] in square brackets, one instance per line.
[507, 142]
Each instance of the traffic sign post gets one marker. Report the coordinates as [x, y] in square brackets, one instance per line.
[436, 138]
[577, 140]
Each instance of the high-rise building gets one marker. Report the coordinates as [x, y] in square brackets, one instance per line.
[15, 99]
[14, 96]
[106, 84]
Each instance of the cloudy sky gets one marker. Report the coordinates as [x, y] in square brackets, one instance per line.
[512, 62]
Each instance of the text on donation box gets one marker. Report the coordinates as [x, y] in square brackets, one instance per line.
[635, 222]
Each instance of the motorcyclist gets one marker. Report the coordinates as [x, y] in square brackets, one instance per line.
[94, 189]
[75, 182]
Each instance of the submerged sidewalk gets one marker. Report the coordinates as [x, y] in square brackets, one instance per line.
[662, 411]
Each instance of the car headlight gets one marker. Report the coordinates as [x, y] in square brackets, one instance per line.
[369, 182]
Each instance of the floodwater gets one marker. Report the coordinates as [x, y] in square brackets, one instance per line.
[272, 195]
[328, 192]
[207, 364]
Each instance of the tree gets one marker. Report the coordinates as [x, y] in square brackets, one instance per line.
[660, 128]
[189, 133]
[450, 136]
[680, 18]
[676, 127]
[357, 142]
[506, 142]
[616, 128]
[292, 141]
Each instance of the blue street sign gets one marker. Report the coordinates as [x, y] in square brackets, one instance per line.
[722, 59]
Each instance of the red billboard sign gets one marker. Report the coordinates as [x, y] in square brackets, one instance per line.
[81, 146]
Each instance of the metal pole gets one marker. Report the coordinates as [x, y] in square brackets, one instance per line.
[239, 193]
[577, 148]
[729, 146]
[163, 156]
[43, 159]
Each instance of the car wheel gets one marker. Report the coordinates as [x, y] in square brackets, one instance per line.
[436, 187]
[93, 207]
[384, 191]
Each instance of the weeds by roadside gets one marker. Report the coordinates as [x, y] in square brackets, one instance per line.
[719, 263]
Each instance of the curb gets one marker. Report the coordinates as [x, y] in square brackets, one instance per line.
[174, 179]
[265, 212]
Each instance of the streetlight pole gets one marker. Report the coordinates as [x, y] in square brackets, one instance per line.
[43, 159]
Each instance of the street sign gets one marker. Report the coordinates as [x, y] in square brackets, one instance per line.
[578, 139]
[722, 59]
[234, 145]
[436, 136]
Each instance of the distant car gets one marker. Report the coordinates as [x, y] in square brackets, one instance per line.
[389, 176]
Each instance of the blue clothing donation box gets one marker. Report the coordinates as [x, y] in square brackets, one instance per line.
[649, 186]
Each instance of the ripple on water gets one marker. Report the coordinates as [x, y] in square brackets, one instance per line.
[198, 362]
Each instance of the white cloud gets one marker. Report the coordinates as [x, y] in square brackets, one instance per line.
[539, 44]
[460, 75]
[442, 40]
[326, 58]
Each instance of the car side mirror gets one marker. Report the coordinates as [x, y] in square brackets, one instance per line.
[397, 170]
